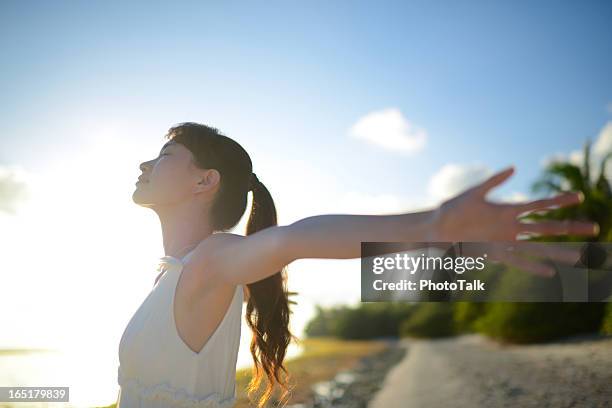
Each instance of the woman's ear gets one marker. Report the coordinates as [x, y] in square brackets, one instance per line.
[209, 180]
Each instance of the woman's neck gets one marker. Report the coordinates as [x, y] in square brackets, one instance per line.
[182, 231]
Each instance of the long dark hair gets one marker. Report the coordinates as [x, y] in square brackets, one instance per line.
[268, 308]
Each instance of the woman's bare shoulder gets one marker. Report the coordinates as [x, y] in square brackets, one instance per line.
[201, 263]
[226, 237]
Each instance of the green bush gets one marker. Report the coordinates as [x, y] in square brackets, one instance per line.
[466, 314]
[539, 322]
[430, 319]
[606, 326]
[530, 322]
[324, 321]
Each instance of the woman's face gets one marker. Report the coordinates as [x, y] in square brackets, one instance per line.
[169, 179]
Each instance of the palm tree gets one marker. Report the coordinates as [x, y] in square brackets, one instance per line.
[561, 176]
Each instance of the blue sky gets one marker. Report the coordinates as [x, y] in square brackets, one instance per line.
[494, 82]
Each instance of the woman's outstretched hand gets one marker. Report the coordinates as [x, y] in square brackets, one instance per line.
[470, 217]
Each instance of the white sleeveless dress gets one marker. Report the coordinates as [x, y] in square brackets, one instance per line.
[157, 369]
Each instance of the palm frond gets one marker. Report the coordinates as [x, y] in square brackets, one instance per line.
[569, 172]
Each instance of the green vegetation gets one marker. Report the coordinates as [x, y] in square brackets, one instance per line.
[431, 319]
[606, 326]
[466, 314]
[538, 322]
[366, 321]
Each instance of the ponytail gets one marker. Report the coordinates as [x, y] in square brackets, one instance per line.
[268, 309]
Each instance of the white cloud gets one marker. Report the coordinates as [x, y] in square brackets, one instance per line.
[603, 143]
[454, 178]
[609, 107]
[390, 130]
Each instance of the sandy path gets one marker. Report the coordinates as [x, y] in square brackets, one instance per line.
[472, 371]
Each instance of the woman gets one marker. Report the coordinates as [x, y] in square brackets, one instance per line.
[180, 347]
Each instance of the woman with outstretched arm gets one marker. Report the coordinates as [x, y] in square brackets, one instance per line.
[180, 347]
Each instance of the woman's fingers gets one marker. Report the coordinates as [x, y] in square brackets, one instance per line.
[565, 227]
[560, 252]
[562, 200]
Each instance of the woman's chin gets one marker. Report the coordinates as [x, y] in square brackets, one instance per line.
[137, 197]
